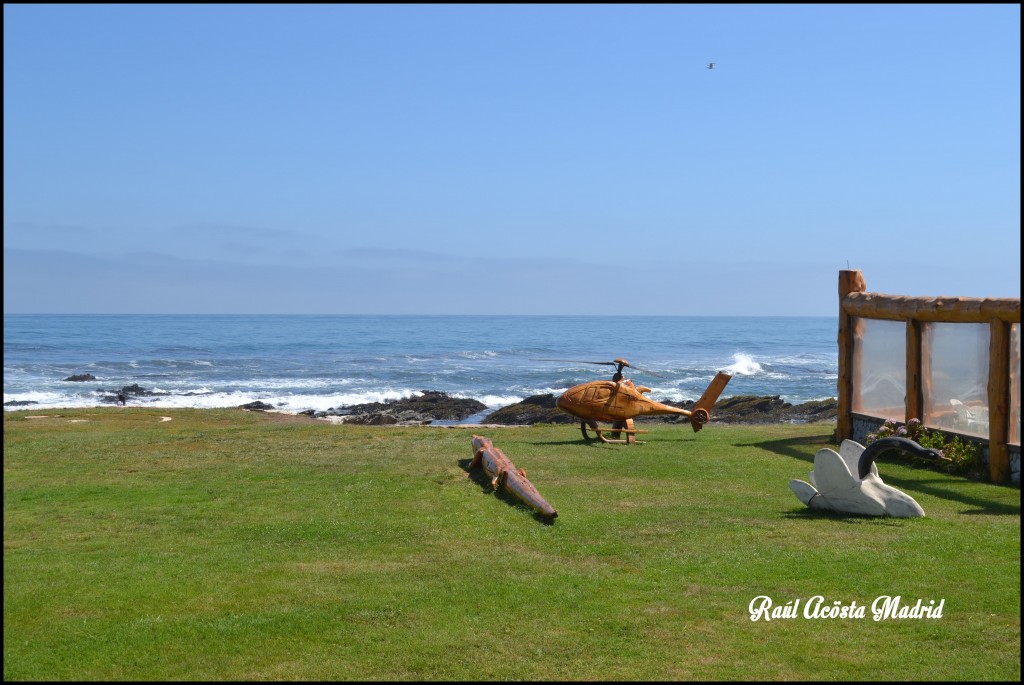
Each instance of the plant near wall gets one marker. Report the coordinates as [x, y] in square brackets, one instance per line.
[961, 458]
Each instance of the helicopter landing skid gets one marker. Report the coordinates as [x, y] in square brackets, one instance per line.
[618, 428]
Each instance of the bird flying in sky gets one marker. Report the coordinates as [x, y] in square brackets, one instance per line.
[711, 65]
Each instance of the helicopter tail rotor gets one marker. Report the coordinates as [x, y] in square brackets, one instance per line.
[701, 412]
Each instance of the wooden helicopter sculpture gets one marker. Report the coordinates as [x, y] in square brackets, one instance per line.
[619, 401]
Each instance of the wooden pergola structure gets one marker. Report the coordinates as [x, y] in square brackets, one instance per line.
[998, 313]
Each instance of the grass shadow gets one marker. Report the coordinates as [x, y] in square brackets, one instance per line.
[480, 477]
[570, 441]
[842, 517]
[790, 447]
[980, 504]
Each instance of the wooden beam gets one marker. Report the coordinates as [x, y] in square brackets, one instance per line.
[945, 309]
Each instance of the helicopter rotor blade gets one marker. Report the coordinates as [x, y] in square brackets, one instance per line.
[616, 363]
[578, 361]
[647, 371]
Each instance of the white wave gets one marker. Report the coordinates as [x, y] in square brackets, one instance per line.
[217, 400]
[496, 401]
[672, 395]
[482, 354]
[743, 365]
[367, 396]
[261, 385]
[804, 359]
[207, 400]
[294, 383]
[38, 396]
[544, 391]
[307, 402]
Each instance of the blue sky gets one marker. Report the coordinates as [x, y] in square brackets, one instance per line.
[528, 159]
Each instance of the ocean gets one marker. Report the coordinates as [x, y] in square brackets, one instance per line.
[297, 363]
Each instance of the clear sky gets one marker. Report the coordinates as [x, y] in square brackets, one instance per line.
[504, 159]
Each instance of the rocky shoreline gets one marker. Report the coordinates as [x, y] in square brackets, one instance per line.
[434, 406]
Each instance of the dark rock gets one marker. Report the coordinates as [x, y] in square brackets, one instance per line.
[257, 406]
[383, 418]
[372, 419]
[532, 410]
[741, 408]
[432, 405]
[749, 409]
[756, 409]
[818, 410]
[332, 412]
[19, 403]
[78, 377]
[133, 389]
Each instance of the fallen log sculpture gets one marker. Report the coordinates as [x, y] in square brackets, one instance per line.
[504, 473]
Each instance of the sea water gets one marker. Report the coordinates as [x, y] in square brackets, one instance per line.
[297, 363]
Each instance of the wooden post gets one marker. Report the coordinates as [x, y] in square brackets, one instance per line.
[851, 281]
[914, 397]
[1013, 420]
[998, 400]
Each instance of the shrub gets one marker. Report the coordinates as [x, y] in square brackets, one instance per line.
[963, 458]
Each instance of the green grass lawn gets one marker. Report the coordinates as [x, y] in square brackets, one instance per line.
[229, 545]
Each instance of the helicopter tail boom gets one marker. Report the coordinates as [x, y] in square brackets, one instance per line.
[701, 412]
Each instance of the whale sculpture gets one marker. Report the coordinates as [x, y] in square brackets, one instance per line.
[848, 481]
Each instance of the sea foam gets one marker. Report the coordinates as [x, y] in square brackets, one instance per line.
[743, 365]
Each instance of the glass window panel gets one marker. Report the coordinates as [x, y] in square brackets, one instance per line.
[1015, 383]
[880, 368]
[956, 392]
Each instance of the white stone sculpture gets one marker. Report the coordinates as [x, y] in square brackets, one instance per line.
[848, 481]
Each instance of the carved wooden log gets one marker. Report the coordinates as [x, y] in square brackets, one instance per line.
[504, 473]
